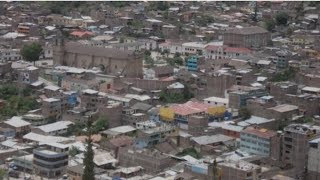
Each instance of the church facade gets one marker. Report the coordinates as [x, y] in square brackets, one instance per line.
[112, 61]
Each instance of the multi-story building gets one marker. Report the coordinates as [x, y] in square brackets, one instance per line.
[51, 108]
[10, 55]
[27, 75]
[193, 63]
[248, 37]
[283, 57]
[238, 95]
[314, 160]
[239, 170]
[79, 81]
[7, 132]
[35, 119]
[182, 112]
[153, 135]
[92, 100]
[192, 48]
[20, 126]
[279, 89]
[295, 145]
[257, 140]
[152, 162]
[225, 52]
[171, 47]
[48, 163]
[54, 129]
[27, 28]
[5, 70]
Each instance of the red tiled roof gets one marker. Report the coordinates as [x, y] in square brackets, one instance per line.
[122, 141]
[237, 50]
[190, 107]
[212, 47]
[260, 132]
[81, 33]
[171, 78]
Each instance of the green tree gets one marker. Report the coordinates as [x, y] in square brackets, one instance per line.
[88, 173]
[177, 54]
[189, 151]
[121, 40]
[100, 124]
[2, 173]
[178, 61]
[166, 14]
[166, 52]
[284, 76]
[149, 60]
[269, 24]
[289, 31]
[162, 5]
[204, 20]
[244, 113]
[300, 9]
[74, 151]
[147, 53]
[282, 18]
[31, 52]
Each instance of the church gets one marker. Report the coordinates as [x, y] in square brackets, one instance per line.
[111, 61]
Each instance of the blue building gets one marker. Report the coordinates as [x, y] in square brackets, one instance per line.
[7, 132]
[71, 97]
[193, 63]
[257, 140]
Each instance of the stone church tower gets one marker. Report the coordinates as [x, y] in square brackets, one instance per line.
[58, 50]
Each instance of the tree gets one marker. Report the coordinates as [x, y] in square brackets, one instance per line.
[100, 124]
[284, 76]
[289, 31]
[255, 15]
[162, 5]
[74, 151]
[204, 20]
[166, 14]
[2, 173]
[166, 52]
[244, 113]
[31, 52]
[147, 53]
[189, 151]
[149, 60]
[215, 169]
[178, 61]
[269, 24]
[88, 173]
[177, 54]
[282, 18]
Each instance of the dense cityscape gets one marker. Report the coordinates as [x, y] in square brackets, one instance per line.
[160, 90]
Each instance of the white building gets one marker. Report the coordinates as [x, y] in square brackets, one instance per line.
[172, 47]
[192, 47]
[314, 159]
[10, 55]
[216, 101]
[57, 128]
[225, 52]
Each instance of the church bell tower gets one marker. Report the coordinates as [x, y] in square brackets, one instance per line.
[58, 50]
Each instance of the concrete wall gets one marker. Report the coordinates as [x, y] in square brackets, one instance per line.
[147, 84]
[217, 85]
